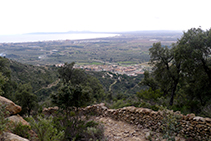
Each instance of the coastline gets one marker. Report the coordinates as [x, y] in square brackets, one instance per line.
[51, 37]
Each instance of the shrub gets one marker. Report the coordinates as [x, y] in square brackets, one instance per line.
[21, 130]
[120, 104]
[45, 129]
[91, 124]
[95, 133]
[170, 125]
[77, 129]
[3, 120]
[149, 94]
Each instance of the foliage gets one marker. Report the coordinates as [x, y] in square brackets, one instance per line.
[2, 82]
[21, 130]
[66, 72]
[77, 89]
[45, 129]
[7, 86]
[95, 133]
[125, 85]
[4, 67]
[170, 124]
[149, 81]
[3, 119]
[77, 129]
[120, 104]
[149, 94]
[183, 72]
[25, 98]
[40, 78]
[69, 96]
[76, 77]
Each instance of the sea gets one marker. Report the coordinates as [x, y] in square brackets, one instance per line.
[50, 37]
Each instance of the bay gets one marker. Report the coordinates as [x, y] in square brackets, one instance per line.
[49, 37]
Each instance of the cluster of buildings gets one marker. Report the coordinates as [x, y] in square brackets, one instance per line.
[133, 70]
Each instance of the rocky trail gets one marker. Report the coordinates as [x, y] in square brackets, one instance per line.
[122, 131]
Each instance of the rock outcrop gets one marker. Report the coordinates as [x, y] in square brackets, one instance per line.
[17, 119]
[50, 111]
[13, 109]
[10, 106]
[6, 136]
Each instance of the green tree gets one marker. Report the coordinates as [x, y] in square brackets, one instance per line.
[2, 82]
[183, 68]
[149, 81]
[166, 69]
[25, 98]
[66, 72]
[69, 96]
[194, 49]
[77, 89]
[4, 67]
[75, 77]
[7, 85]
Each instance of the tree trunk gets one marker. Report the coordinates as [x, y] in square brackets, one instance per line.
[207, 70]
[173, 93]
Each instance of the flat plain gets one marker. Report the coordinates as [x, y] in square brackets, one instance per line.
[125, 49]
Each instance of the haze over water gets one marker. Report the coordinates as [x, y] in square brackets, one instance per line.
[49, 37]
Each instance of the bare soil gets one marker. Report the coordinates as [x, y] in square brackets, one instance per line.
[121, 131]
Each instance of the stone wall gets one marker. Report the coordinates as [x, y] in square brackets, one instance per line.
[188, 125]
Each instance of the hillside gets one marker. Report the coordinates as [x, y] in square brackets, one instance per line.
[44, 80]
[118, 83]
[39, 77]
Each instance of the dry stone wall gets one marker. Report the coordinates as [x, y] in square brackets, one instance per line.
[188, 125]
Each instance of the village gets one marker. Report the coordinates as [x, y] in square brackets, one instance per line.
[130, 70]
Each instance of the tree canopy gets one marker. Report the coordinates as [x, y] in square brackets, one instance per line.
[77, 88]
[184, 69]
[25, 98]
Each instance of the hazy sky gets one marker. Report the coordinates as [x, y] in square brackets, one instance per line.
[25, 16]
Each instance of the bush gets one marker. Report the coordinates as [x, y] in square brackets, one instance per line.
[77, 128]
[149, 94]
[94, 133]
[91, 124]
[3, 120]
[45, 129]
[119, 104]
[170, 125]
[21, 130]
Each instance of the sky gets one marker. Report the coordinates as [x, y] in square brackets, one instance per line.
[27, 16]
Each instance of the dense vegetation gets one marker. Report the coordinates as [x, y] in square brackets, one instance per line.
[182, 73]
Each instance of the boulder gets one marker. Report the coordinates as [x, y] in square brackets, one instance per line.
[50, 110]
[17, 119]
[11, 137]
[10, 106]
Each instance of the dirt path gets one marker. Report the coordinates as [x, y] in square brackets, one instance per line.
[121, 131]
[112, 85]
[49, 86]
